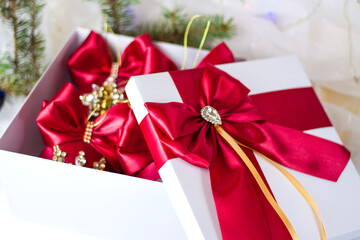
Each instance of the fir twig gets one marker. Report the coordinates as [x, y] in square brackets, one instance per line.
[36, 41]
[23, 18]
[9, 10]
[118, 14]
[8, 81]
[172, 28]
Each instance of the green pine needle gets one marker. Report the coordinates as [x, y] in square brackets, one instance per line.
[23, 18]
[8, 82]
[172, 28]
[118, 14]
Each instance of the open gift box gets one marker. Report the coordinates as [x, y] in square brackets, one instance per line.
[78, 200]
[190, 187]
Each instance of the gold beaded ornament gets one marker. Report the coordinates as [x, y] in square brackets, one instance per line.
[101, 164]
[103, 98]
[80, 160]
[58, 155]
[88, 132]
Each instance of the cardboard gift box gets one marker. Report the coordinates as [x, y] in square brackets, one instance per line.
[189, 186]
[69, 200]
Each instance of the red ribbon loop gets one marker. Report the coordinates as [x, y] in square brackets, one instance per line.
[133, 153]
[220, 54]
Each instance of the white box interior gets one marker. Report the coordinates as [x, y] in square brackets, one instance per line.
[84, 201]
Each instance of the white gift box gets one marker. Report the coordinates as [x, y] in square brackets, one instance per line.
[66, 202]
[189, 186]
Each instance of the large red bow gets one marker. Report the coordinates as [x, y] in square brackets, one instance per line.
[131, 144]
[243, 211]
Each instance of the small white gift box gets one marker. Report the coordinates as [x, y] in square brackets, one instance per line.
[64, 201]
[189, 186]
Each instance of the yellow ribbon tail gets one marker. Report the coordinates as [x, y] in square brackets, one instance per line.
[298, 187]
[187, 30]
[108, 29]
[236, 146]
[303, 192]
[259, 180]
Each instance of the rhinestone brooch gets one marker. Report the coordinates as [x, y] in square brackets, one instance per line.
[211, 115]
[58, 155]
[102, 98]
[80, 159]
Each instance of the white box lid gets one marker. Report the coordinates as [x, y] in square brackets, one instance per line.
[189, 187]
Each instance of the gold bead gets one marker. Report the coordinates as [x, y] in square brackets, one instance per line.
[102, 166]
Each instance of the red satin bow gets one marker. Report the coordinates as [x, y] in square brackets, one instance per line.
[62, 121]
[133, 151]
[91, 62]
[243, 211]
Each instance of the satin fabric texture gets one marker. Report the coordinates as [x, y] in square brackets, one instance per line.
[121, 140]
[180, 131]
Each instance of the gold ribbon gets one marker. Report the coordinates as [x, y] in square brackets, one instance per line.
[103, 116]
[236, 146]
[202, 40]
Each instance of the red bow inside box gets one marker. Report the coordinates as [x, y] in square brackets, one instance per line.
[104, 133]
[270, 123]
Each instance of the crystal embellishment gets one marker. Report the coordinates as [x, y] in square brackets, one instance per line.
[80, 160]
[101, 164]
[58, 155]
[211, 115]
[102, 98]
